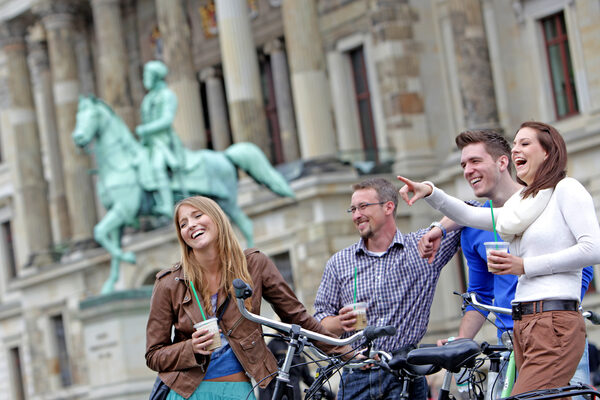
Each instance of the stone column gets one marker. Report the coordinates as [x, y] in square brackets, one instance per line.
[32, 222]
[242, 78]
[112, 58]
[473, 65]
[175, 31]
[39, 68]
[398, 74]
[133, 51]
[217, 108]
[344, 104]
[283, 99]
[83, 53]
[58, 19]
[309, 81]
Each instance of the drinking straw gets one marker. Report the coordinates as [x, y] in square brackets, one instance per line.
[494, 223]
[198, 300]
[355, 282]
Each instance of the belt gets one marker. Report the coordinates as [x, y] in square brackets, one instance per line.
[532, 307]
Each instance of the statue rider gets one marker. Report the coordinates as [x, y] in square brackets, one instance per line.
[157, 135]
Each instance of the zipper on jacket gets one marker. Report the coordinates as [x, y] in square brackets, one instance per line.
[239, 321]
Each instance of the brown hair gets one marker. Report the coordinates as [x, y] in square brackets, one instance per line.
[231, 256]
[553, 169]
[495, 143]
[384, 188]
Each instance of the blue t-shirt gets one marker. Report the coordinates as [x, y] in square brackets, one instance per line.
[223, 361]
[491, 289]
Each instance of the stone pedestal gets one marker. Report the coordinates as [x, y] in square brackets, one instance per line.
[114, 330]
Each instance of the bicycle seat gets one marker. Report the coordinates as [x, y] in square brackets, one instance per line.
[453, 356]
[399, 362]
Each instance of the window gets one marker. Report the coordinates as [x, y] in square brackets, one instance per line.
[17, 373]
[9, 249]
[363, 103]
[205, 114]
[268, 89]
[559, 63]
[62, 353]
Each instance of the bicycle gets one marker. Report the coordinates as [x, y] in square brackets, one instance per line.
[464, 353]
[298, 340]
[471, 298]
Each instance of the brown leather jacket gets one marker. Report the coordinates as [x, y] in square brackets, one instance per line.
[173, 304]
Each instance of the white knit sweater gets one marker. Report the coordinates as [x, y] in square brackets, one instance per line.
[564, 239]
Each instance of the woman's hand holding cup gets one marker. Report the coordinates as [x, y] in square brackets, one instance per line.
[206, 337]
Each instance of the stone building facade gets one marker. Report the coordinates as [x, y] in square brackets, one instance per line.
[331, 90]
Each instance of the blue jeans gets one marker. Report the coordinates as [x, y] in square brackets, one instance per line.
[377, 384]
[582, 374]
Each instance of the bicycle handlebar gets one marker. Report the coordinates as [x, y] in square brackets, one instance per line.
[243, 291]
[472, 298]
[373, 332]
[592, 316]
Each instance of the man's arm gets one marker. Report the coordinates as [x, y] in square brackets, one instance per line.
[343, 322]
[470, 324]
[430, 242]
[333, 325]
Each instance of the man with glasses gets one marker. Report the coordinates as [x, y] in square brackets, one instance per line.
[384, 270]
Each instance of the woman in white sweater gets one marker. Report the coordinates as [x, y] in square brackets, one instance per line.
[553, 232]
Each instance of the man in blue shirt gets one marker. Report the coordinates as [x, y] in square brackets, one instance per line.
[485, 159]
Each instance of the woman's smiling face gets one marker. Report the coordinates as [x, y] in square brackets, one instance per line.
[527, 154]
[196, 228]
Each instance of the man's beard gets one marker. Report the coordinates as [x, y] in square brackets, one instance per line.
[366, 234]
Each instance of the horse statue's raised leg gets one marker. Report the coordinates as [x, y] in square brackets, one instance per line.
[108, 234]
[115, 264]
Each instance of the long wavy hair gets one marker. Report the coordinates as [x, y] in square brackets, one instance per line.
[554, 168]
[231, 256]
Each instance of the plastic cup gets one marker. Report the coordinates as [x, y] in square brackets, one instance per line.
[498, 246]
[212, 326]
[360, 309]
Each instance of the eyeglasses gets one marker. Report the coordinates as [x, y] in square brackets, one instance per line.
[362, 207]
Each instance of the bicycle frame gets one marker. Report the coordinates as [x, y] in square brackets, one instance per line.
[298, 338]
[511, 370]
[511, 367]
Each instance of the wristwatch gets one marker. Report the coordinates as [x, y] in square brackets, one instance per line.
[437, 224]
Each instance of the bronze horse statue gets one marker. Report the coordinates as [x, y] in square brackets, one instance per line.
[121, 188]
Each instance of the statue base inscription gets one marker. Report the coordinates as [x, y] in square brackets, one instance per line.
[114, 328]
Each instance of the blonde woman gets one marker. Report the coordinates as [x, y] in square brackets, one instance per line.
[211, 258]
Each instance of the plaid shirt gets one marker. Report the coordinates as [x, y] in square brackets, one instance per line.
[398, 286]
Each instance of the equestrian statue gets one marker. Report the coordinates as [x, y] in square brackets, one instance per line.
[144, 177]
